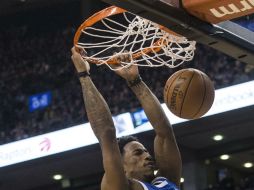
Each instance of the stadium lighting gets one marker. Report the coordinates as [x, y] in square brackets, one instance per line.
[57, 177]
[182, 180]
[218, 137]
[248, 165]
[207, 161]
[224, 157]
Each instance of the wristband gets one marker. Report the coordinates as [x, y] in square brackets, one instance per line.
[83, 74]
[134, 82]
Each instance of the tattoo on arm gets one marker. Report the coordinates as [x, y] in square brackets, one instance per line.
[97, 109]
[152, 108]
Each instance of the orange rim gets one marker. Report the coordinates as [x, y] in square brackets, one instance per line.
[110, 11]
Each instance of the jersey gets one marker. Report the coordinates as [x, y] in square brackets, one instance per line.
[159, 183]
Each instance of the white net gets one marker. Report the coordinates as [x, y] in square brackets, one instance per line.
[145, 42]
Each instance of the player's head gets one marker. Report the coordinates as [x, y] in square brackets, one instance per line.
[137, 161]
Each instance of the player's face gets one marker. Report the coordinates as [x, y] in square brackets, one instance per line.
[138, 163]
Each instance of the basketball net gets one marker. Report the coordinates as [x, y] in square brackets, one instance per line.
[146, 43]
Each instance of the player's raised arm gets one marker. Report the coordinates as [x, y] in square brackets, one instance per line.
[167, 155]
[103, 127]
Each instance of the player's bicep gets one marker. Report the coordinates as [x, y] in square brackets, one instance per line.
[168, 158]
[114, 177]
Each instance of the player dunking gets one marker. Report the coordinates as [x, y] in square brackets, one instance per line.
[129, 166]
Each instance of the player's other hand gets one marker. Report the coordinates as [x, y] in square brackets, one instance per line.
[128, 73]
[80, 64]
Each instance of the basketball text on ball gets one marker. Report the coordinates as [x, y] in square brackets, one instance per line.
[177, 93]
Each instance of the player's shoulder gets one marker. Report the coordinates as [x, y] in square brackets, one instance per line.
[135, 185]
[132, 185]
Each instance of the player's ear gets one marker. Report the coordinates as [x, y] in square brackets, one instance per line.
[125, 168]
[124, 164]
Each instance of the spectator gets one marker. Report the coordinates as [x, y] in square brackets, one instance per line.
[34, 62]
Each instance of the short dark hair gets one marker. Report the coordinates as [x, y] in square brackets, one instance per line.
[122, 141]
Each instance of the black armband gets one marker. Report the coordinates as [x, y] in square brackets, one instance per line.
[83, 74]
[134, 82]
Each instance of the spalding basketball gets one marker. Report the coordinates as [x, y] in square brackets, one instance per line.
[189, 93]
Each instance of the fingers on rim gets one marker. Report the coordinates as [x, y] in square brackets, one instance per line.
[73, 50]
[125, 56]
[80, 50]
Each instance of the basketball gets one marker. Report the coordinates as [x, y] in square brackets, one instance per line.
[189, 93]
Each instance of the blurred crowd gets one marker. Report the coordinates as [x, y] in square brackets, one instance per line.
[229, 183]
[38, 60]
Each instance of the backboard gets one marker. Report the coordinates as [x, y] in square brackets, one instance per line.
[233, 37]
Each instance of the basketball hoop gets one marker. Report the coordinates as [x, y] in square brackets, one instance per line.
[114, 31]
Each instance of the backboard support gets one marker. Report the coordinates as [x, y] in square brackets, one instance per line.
[227, 37]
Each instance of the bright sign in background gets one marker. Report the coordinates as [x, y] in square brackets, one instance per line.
[39, 101]
[226, 99]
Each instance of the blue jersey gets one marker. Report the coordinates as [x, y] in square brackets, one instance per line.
[159, 183]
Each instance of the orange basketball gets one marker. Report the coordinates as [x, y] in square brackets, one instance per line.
[189, 93]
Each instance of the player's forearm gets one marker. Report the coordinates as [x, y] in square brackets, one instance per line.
[97, 109]
[152, 108]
